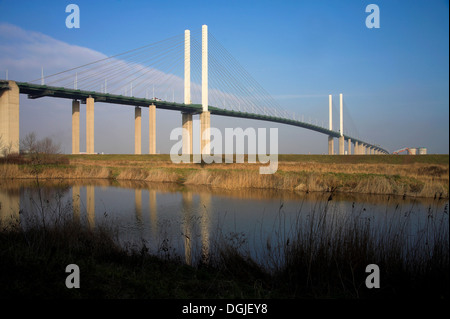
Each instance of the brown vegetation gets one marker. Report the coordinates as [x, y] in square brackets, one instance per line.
[383, 176]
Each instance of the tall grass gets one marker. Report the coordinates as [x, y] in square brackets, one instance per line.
[326, 254]
[321, 253]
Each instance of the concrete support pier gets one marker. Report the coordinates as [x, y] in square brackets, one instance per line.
[356, 148]
[75, 127]
[9, 119]
[349, 146]
[205, 135]
[137, 130]
[90, 125]
[341, 145]
[152, 129]
[187, 133]
[330, 145]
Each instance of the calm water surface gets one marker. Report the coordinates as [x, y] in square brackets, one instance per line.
[182, 221]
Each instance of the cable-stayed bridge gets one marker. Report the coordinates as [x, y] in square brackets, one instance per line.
[179, 74]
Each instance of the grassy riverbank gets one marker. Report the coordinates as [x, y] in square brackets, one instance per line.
[420, 176]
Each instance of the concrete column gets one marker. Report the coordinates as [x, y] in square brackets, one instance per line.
[186, 118]
[341, 145]
[330, 112]
[349, 146]
[90, 125]
[205, 133]
[9, 119]
[75, 127]
[357, 148]
[205, 68]
[187, 67]
[341, 126]
[187, 133]
[330, 145]
[137, 130]
[152, 128]
[330, 125]
[341, 114]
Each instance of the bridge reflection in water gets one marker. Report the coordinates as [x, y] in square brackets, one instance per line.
[189, 221]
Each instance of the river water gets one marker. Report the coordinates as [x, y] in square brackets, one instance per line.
[188, 222]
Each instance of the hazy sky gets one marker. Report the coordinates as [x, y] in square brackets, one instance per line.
[394, 79]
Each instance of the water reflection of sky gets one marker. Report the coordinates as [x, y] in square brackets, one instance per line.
[189, 221]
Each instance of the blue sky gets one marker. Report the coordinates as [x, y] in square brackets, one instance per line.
[394, 79]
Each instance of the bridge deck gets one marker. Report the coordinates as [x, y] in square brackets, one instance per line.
[35, 91]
